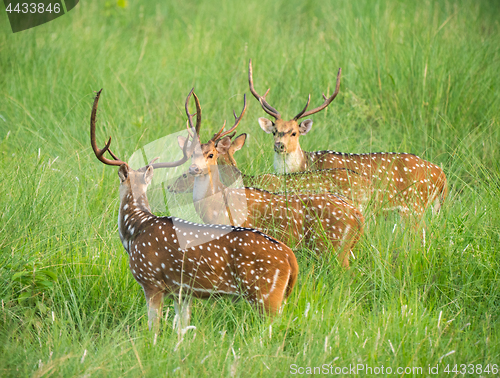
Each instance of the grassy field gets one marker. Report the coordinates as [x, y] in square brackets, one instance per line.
[420, 77]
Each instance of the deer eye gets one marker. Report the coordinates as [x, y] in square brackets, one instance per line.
[293, 134]
[210, 156]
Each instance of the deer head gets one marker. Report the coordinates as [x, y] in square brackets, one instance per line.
[204, 156]
[133, 182]
[208, 190]
[286, 133]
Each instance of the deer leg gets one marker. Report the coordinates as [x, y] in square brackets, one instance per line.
[325, 237]
[186, 312]
[413, 217]
[154, 301]
[277, 296]
[349, 240]
[177, 317]
[345, 251]
[270, 295]
[182, 313]
[350, 236]
[436, 207]
[420, 227]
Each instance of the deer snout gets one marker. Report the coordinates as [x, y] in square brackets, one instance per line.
[195, 170]
[279, 147]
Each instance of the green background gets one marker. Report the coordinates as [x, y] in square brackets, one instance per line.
[419, 77]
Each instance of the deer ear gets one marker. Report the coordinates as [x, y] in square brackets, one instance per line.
[305, 126]
[266, 125]
[148, 175]
[223, 145]
[181, 141]
[238, 142]
[123, 172]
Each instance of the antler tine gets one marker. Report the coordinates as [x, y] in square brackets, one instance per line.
[99, 153]
[230, 136]
[262, 99]
[236, 122]
[111, 152]
[305, 108]
[216, 135]
[198, 113]
[189, 129]
[181, 161]
[326, 103]
[189, 115]
[190, 126]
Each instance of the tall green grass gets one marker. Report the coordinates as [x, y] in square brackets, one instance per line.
[419, 77]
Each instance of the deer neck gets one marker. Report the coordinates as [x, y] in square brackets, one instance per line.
[134, 211]
[206, 185]
[290, 162]
[209, 197]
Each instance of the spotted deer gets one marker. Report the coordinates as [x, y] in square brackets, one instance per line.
[171, 256]
[351, 184]
[403, 181]
[184, 183]
[343, 181]
[327, 219]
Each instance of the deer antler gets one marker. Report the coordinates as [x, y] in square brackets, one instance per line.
[262, 99]
[190, 116]
[237, 120]
[230, 136]
[184, 158]
[98, 152]
[327, 102]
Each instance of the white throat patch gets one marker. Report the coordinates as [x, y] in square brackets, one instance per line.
[289, 163]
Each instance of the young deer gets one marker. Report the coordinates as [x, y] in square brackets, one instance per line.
[170, 256]
[405, 181]
[325, 218]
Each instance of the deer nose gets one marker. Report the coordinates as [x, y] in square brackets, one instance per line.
[279, 147]
[194, 170]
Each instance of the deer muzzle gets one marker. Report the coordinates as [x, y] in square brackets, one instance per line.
[279, 147]
[195, 170]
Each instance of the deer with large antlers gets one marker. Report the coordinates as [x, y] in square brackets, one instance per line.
[350, 184]
[170, 256]
[406, 182]
[331, 221]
